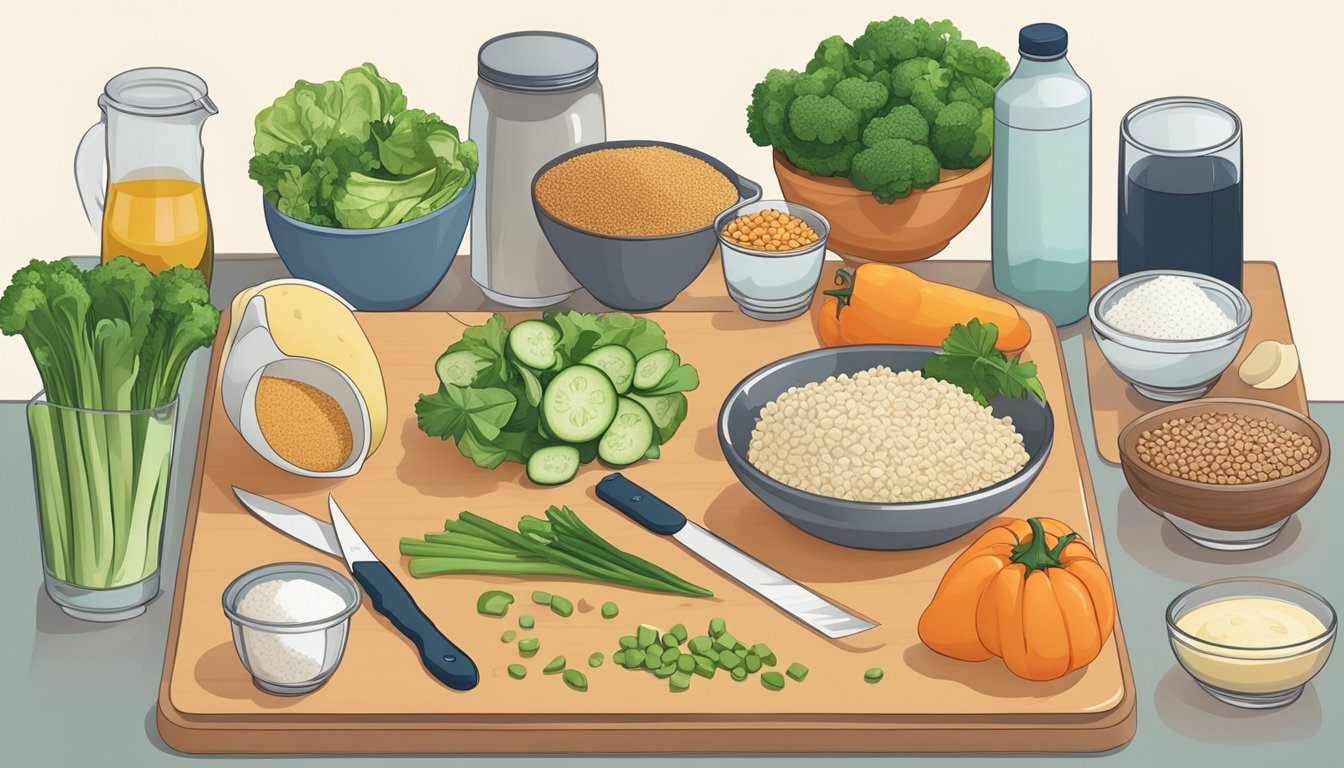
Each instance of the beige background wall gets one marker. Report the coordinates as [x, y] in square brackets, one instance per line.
[683, 72]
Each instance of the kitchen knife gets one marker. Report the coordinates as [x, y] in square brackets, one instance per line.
[658, 516]
[445, 661]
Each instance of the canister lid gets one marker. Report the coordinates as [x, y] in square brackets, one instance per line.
[537, 61]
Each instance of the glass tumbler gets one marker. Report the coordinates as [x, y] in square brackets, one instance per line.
[102, 487]
[290, 658]
[772, 285]
[1180, 196]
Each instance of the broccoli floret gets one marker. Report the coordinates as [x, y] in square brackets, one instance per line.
[823, 118]
[909, 72]
[903, 122]
[836, 163]
[967, 58]
[892, 168]
[929, 99]
[817, 83]
[961, 135]
[769, 106]
[122, 289]
[898, 39]
[925, 169]
[770, 122]
[47, 304]
[865, 98]
[183, 322]
[832, 53]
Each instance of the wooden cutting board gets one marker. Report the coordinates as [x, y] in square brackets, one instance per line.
[380, 700]
[1115, 403]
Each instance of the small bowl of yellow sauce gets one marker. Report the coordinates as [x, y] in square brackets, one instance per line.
[1251, 642]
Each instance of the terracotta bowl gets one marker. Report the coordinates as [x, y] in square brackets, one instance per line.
[910, 229]
[1228, 517]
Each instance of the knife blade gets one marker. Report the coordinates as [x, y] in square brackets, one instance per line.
[441, 658]
[318, 534]
[659, 517]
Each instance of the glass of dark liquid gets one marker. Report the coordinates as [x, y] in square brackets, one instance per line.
[1180, 188]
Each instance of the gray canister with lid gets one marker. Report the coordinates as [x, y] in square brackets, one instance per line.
[537, 97]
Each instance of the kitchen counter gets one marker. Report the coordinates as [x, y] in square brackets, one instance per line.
[80, 693]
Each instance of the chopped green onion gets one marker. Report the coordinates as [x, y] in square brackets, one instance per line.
[494, 603]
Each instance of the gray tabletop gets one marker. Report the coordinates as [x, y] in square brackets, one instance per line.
[76, 693]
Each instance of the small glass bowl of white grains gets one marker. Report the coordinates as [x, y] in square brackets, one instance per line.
[290, 624]
[1170, 333]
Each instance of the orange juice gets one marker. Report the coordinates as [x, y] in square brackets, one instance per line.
[160, 223]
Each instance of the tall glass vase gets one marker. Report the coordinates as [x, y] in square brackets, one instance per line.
[102, 487]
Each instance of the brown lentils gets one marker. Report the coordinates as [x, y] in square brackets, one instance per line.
[303, 424]
[770, 230]
[635, 191]
[1226, 449]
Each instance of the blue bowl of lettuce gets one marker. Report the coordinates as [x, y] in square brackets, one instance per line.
[360, 193]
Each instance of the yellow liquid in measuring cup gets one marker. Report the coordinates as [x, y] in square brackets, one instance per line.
[160, 223]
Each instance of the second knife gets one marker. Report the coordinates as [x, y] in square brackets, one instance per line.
[658, 516]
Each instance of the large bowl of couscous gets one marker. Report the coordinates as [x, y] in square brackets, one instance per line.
[633, 221]
[852, 445]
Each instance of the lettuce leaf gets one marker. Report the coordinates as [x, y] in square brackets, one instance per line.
[348, 153]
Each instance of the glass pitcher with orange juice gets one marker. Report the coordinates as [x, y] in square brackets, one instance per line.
[152, 208]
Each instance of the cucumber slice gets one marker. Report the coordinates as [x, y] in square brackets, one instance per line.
[666, 431]
[531, 384]
[459, 368]
[683, 378]
[661, 408]
[553, 465]
[532, 343]
[615, 361]
[579, 404]
[629, 436]
[652, 367]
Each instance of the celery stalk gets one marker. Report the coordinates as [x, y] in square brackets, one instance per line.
[51, 497]
[146, 513]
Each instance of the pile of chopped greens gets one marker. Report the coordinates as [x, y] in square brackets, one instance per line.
[558, 392]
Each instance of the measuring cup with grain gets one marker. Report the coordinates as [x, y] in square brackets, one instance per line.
[300, 381]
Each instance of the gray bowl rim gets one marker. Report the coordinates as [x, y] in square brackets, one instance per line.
[739, 181]
[461, 195]
[354, 597]
[728, 214]
[1147, 344]
[739, 461]
[1295, 649]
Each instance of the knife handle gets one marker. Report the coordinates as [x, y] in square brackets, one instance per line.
[640, 505]
[444, 660]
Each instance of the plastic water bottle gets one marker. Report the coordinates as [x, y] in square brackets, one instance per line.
[1042, 205]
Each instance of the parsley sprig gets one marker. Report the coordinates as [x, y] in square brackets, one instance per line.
[970, 361]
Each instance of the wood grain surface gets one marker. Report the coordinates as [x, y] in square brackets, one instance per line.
[1115, 403]
[381, 700]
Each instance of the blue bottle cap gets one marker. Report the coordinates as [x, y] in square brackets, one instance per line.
[1043, 41]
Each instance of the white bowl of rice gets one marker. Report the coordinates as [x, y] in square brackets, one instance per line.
[1170, 333]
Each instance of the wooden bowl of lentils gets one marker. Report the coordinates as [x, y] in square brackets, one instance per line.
[1227, 472]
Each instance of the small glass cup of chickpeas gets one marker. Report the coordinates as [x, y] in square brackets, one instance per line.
[772, 255]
